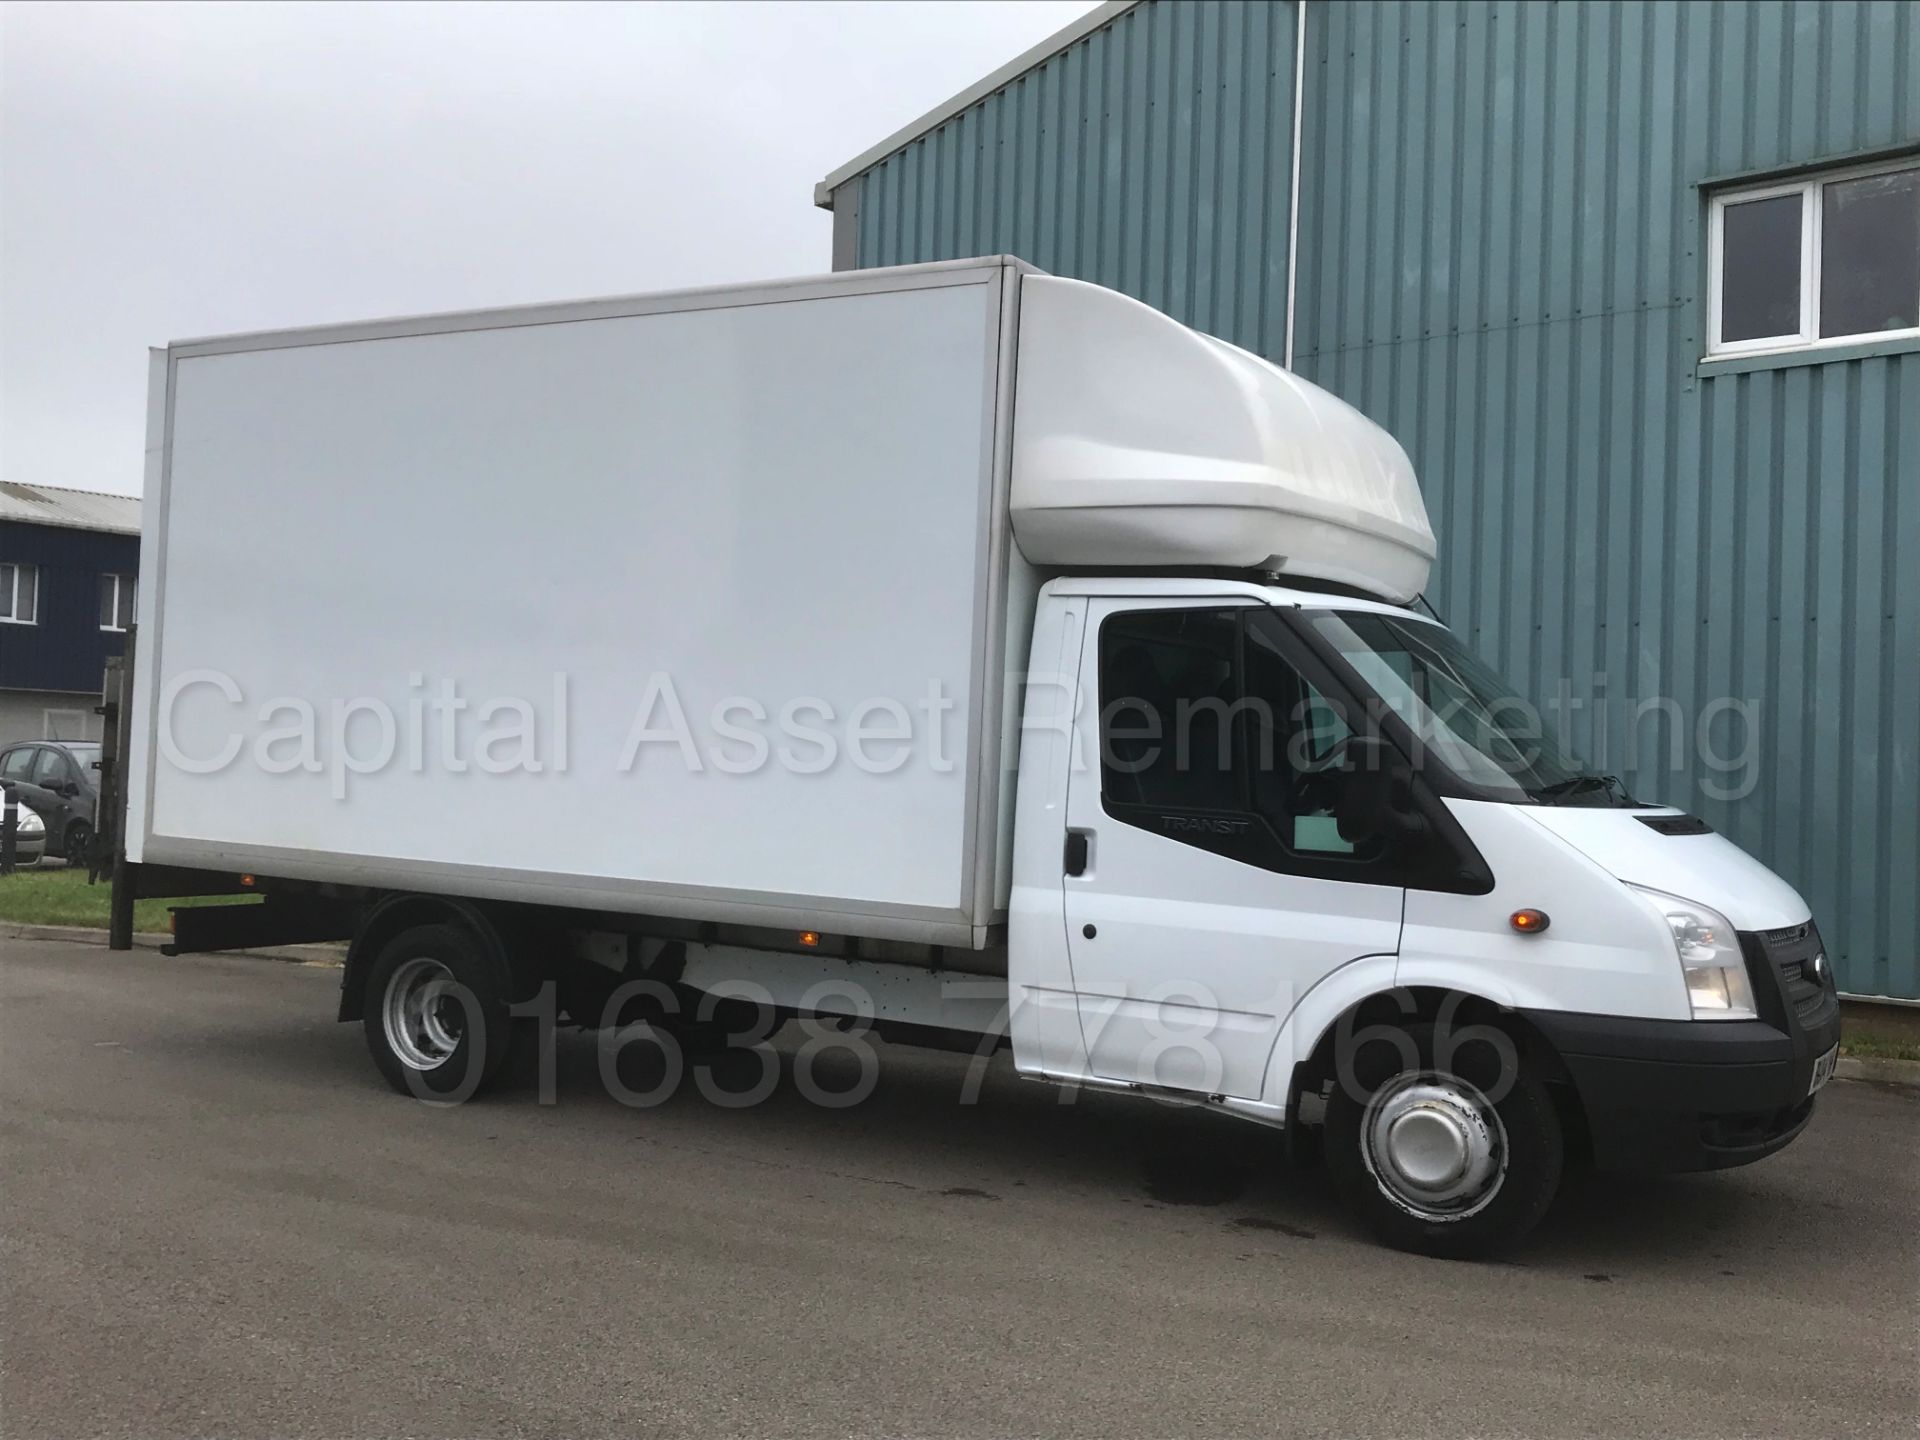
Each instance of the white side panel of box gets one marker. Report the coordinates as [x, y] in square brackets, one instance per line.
[780, 502]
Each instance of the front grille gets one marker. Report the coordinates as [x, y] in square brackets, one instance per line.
[1804, 993]
[1791, 951]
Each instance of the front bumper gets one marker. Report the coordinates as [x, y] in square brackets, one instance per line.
[1705, 1094]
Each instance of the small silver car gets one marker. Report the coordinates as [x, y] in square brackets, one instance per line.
[29, 836]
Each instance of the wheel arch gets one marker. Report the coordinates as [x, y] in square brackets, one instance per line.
[489, 927]
[1417, 1004]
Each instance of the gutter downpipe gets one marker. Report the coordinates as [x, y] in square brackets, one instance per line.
[1293, 206]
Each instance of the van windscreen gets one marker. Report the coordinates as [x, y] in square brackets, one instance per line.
[1462, 714]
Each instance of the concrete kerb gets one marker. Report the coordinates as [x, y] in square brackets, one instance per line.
[85, 935]
[1880, 1070]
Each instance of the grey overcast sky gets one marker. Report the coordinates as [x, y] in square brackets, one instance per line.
[168, 171]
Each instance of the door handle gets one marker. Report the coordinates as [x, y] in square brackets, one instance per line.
[1079, 847]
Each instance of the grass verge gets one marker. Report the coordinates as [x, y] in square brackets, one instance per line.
[1867, 1042]
[1870, 1030]
[63, 897]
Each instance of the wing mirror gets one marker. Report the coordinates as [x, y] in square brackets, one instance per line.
[1377, 798]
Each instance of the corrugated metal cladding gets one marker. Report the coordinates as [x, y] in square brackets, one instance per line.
[1153, 156]
[1502, 259]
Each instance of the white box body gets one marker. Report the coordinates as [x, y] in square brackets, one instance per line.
[789, 496]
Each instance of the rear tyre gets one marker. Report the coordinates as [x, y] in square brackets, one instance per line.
[77, 843]
[1457, 1160]
[436, 1014]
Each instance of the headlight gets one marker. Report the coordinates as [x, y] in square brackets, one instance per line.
[27, 822]
[1710, 958]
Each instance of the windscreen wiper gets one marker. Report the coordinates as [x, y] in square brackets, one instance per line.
[1580, 785]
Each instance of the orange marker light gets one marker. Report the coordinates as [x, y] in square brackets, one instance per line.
[247, 880]
[810, 938]
[1529, 922]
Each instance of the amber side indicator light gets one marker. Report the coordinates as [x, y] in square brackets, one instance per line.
[247, 881]
[1529, 922]
[810, 938]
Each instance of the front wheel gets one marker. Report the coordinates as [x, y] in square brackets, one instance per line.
[78, 842]
[1455, 1159]
[436, 1014]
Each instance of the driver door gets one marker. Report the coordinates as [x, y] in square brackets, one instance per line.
[1215, 888]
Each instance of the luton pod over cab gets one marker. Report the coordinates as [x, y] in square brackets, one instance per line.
[956, 653]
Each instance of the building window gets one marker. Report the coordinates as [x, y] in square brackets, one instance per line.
[62, 725]
[19, 593]
[1815, 262]
[116, 602]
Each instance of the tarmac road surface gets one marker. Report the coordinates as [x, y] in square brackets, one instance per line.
[218, 1220]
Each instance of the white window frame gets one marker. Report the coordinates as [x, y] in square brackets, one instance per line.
[120, 583]
[1808, 336]
[47, 725]
[13, 595]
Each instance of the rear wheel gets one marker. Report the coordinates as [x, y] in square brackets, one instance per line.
[1455, 1155]
[77, 843]
[436, 1014]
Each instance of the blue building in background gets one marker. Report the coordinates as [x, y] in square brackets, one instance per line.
[68, 562]
[1636, 284]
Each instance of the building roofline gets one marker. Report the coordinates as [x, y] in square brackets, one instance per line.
[79, 513]
[972, 95]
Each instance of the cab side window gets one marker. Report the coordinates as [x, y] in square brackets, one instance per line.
[1168, 682]
[1210, 735]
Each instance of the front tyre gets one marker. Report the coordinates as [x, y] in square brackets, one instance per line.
[436, 1014]
[1455, 1159]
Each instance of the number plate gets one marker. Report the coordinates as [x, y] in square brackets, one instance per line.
[1823, 1069]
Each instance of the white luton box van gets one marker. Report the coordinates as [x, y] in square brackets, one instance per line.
[960, 653]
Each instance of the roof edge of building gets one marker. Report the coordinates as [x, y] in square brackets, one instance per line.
[90, 526]
[1028, 60]
[119, 515]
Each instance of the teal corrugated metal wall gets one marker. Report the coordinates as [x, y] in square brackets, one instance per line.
[1153, 157]
[1502, 260]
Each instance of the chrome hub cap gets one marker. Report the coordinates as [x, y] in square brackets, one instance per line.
[1435, 1145]
[423, 1014]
